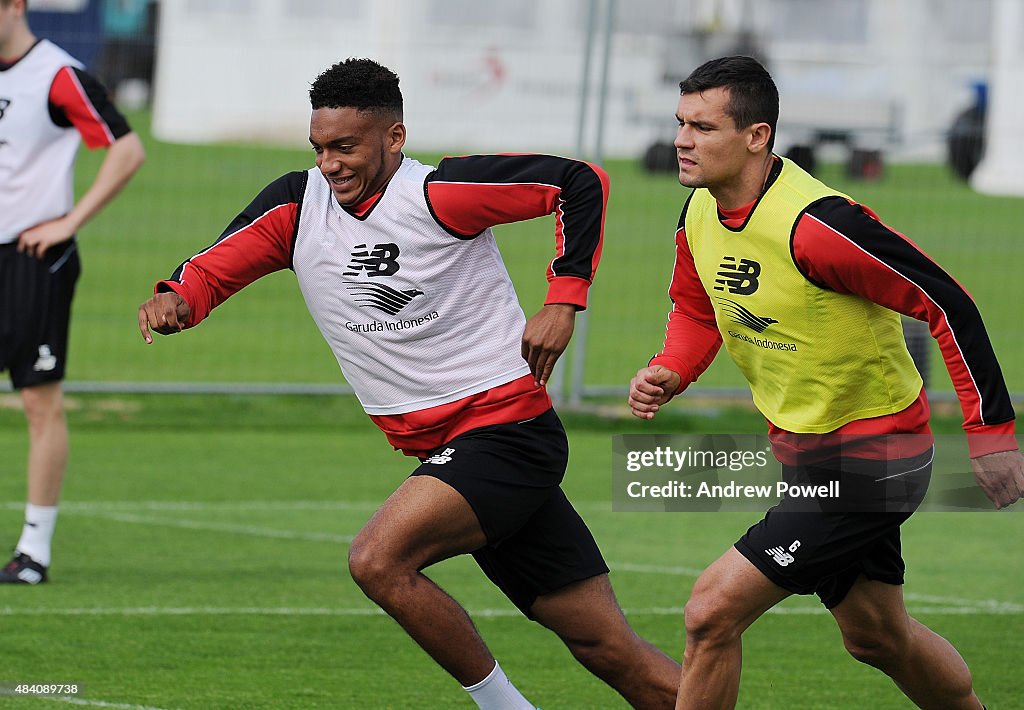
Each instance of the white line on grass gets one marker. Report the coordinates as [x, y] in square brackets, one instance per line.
[109, 510]
[220, 527]
[246, 505]
[96, 703]
[204, 506]
[320, 537]
[201, 611]
[944, 605]
[974, 609]
[957, 602]
[102, 704]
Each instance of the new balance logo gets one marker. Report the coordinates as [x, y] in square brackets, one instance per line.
[739, 278]
[382, 260]
[743, 316]
[441, 458]
[781, 556]
[383, 298]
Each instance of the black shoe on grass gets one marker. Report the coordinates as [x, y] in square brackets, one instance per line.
[22, 570]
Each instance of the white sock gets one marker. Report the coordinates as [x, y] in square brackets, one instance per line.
[496, 692]
[37, 533]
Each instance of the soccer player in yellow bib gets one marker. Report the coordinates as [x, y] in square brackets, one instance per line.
[804, 287]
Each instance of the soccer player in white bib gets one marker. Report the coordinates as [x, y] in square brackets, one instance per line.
[48, 105]
[400, 271]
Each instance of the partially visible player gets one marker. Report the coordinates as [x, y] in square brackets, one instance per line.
[400, 271]
[805, 287]
[48, 105]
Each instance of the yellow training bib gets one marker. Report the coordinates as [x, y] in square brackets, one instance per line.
[815, 359]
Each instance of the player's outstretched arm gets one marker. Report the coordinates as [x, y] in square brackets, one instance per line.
[652, 387]
[164, 313]
[545, 338]
[1001, 476]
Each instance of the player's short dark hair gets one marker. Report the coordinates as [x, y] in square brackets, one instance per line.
[362, 84]
[753, 96]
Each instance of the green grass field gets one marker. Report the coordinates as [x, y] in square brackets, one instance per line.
[200, 553]
[200, 563]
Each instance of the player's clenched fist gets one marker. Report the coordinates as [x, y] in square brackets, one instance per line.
[164, 313]
[651, 388]
[546, 337]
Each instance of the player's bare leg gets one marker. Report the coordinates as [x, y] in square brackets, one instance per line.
[48, 442]
[586, 616]
[424, 521]
[878, 631]
[728, 597]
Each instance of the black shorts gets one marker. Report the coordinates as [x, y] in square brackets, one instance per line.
[35, 311]
[822, 546]
[510, 475]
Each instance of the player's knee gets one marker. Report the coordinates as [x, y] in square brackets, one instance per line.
[708, 620]
[878, 650]
[370, 569]
[43, 407]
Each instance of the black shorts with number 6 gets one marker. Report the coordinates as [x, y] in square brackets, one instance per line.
[821, 546]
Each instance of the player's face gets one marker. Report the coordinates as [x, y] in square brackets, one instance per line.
[357, 151]
[710, 149]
